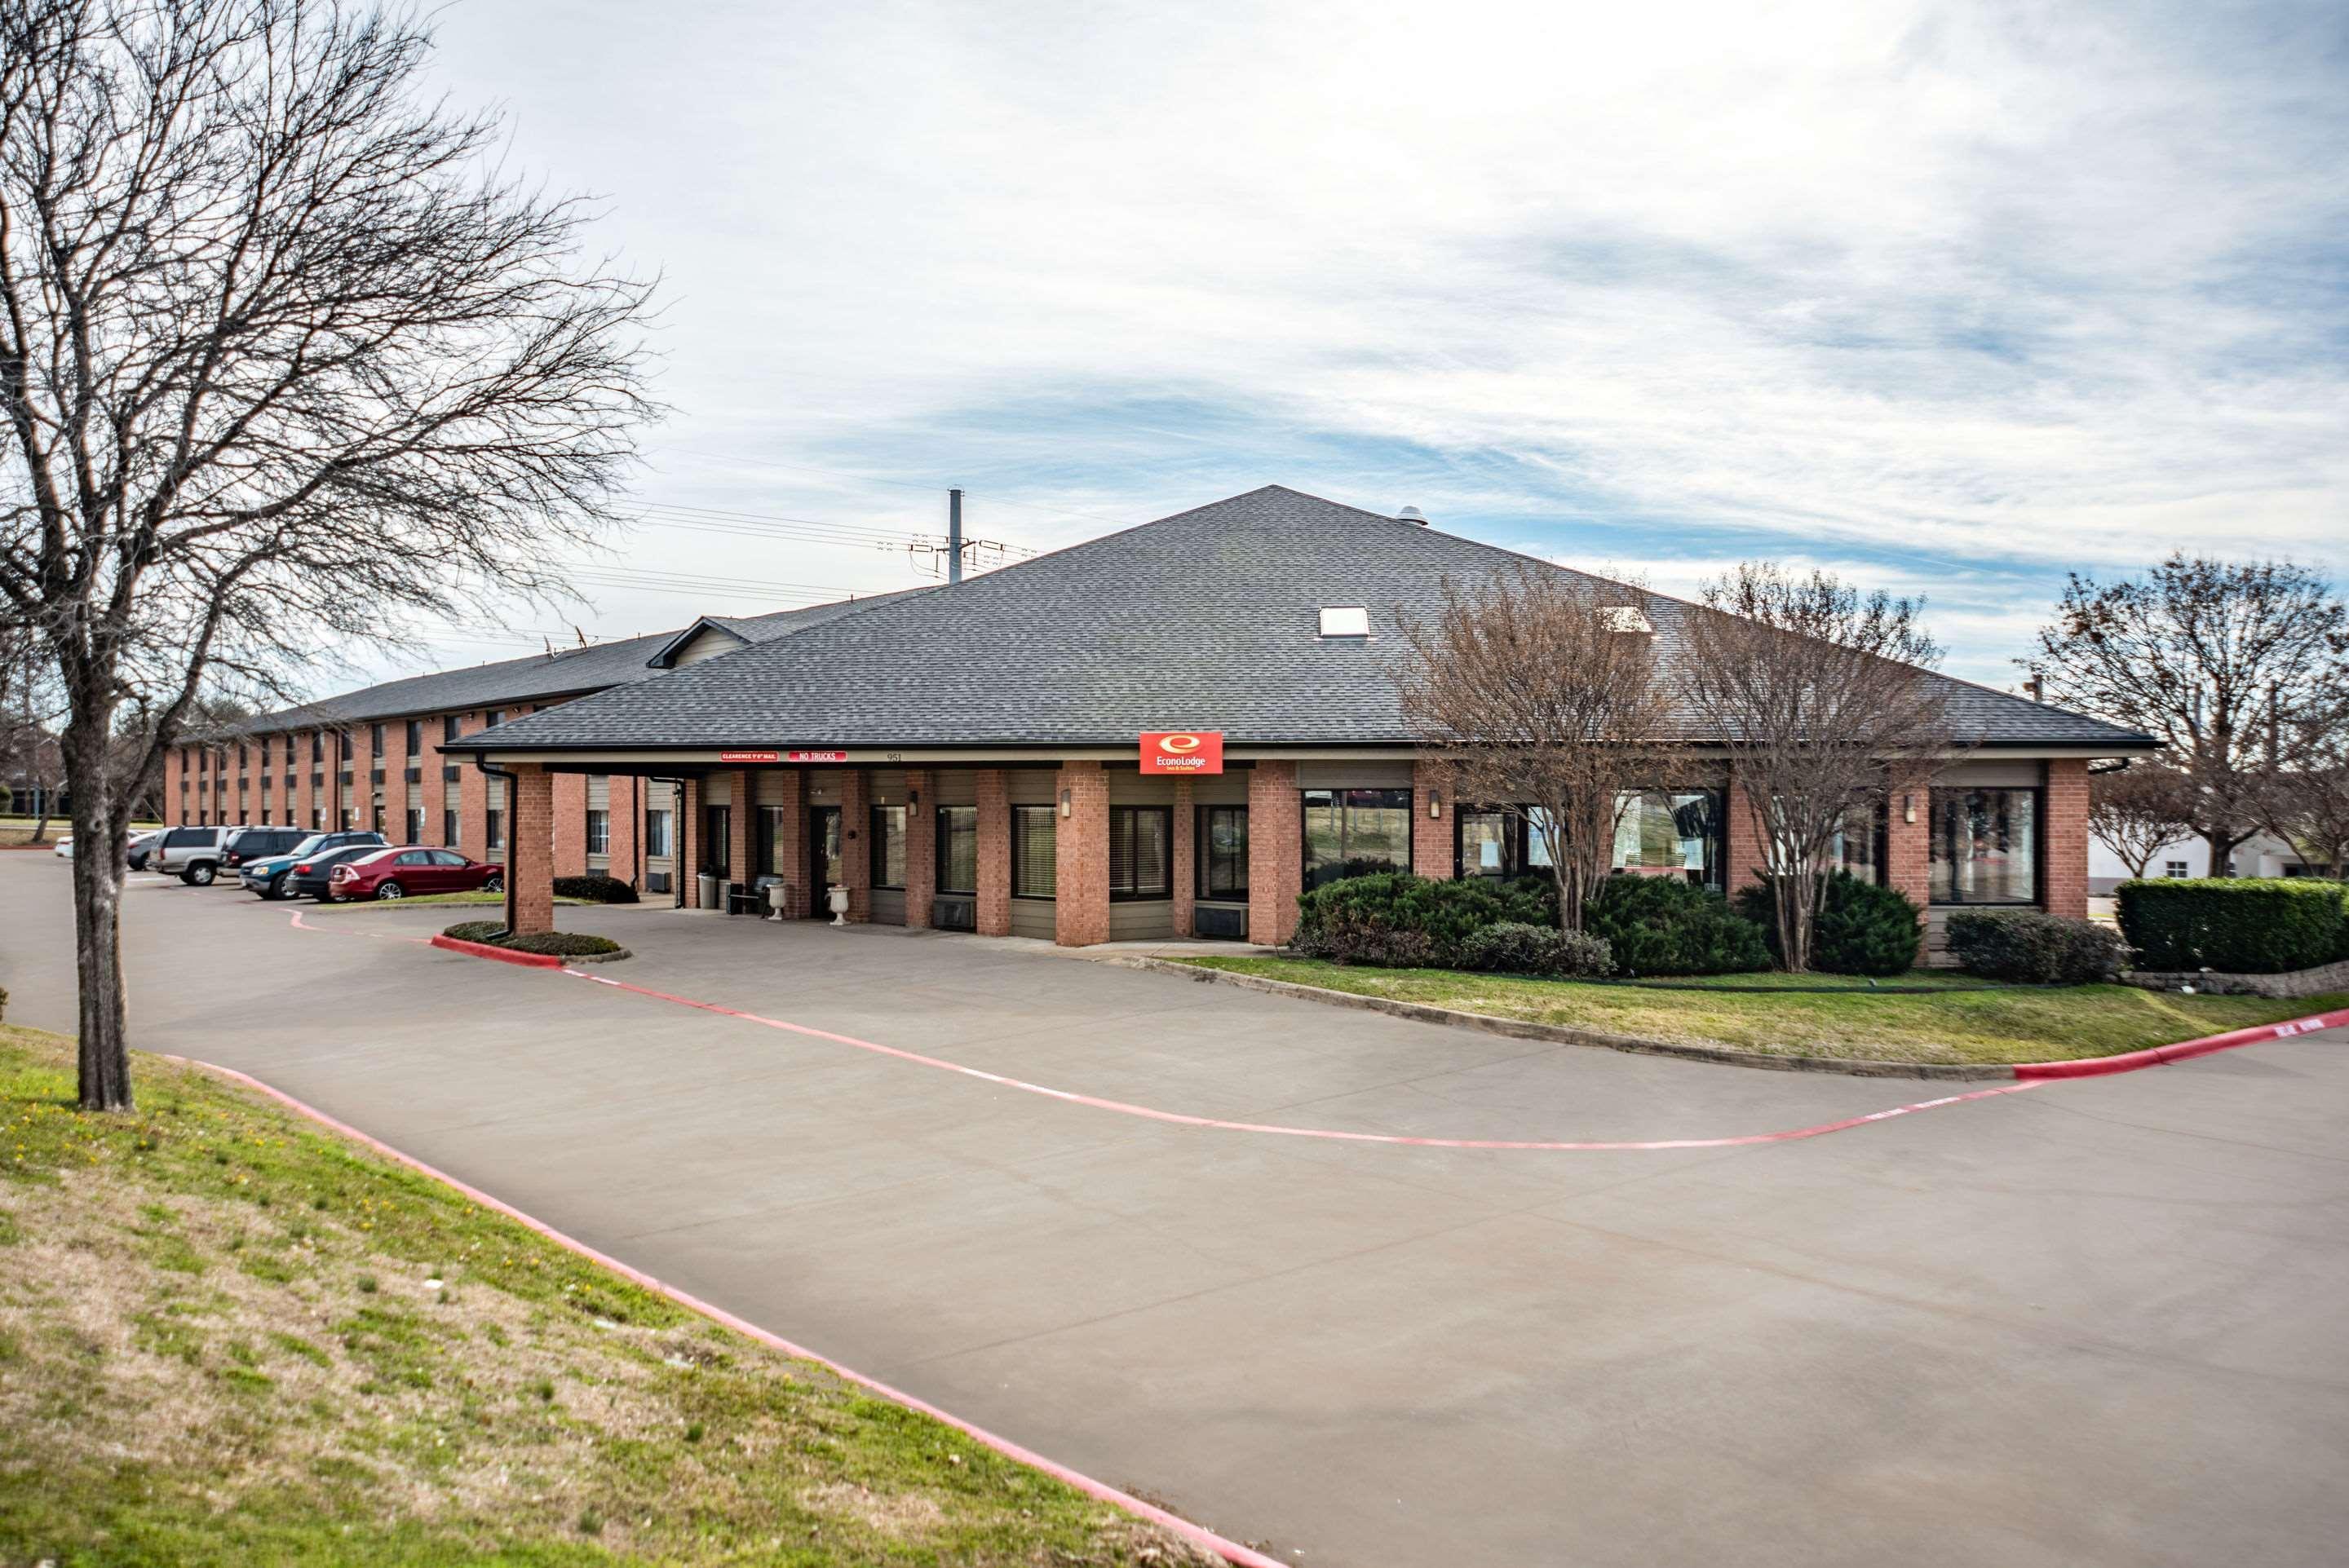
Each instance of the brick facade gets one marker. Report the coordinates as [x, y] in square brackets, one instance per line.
[1185, 852]
[569, 824]
[2065, 836]
[856, 843]
[1435, 849]
[1748, 849]
[741, 817]
[790, 843]
[472, 799]
[530, 852]
[1081, 853]
[921, 847]
[1909, 845]
[1276, 852]
[689, 843]
[994, 910]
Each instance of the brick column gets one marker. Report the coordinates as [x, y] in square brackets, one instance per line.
[472, 799]
[689, 840]
[363, 782]
[2064, 838]
[1276, 853]
[395, 786]
[1081, 856]
[1433, 836]
[530, 848]
[1907, 846]
[569, 824]
[792, 843]
[1186, 858]
[856, 842]
[921, 848]
[1747, 851]
[738, 837]
[994, 911]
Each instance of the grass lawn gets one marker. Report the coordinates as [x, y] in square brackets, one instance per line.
[228, 1337]
[19, 830]
[1959, 1025]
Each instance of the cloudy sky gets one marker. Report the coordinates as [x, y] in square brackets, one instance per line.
[1951, 298]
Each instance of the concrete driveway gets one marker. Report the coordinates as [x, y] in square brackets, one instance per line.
[2095, 1323]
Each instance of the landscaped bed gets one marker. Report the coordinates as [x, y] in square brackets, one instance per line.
[548, 943]
[1963, 1022]
[227, 1337]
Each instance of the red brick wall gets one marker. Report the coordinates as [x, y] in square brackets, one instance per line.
[2065, 850]
[625, 805]
[530, 840]
[1276, 852]
[396, 787]
[363, 782]
[569, 824]
[1186, 858]
[921, 848]
[856, 842]
[472, 798]
[792, 843]
[738, 837]
[1907, 846]
[1081, 856]
[994, 910]
[1747, 851]
[1434, 852]
[689, 840]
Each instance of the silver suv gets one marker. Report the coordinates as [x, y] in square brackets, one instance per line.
[192, 854]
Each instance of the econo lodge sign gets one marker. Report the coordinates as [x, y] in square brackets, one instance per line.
[1182, 751]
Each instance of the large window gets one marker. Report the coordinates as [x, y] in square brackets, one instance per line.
[1221, 852]
[415, 825]
[657, 841]
[1671, 834]
[599, 832]
[888, 848]
[497, 829]
[1859, 846]
[415, 737]
[1488, 843]
[1354, 833]
[773, 834]
[1035, 857]
[1985, 846]
[959, 849]
[1141, 852]
[448, 826]
[448, 729]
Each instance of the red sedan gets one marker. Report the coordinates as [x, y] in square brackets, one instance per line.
[411, 869]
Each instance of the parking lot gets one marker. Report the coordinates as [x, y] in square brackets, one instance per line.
[2095, 1323]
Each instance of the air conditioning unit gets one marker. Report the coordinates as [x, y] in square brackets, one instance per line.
[1227, 925]
[657, 881]
[953, 913]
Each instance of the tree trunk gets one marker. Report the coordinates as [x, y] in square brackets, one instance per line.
[98, 875]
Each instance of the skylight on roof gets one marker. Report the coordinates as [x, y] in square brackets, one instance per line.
[1346, 621]
[1628, 618]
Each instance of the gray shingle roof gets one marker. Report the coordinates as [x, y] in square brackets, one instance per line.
[541, 676]
[1205, 620]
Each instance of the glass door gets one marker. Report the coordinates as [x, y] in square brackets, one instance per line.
[824, 860]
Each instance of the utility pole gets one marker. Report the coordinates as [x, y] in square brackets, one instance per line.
[954, 536]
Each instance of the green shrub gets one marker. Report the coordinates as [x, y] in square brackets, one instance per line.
[1666, 925]
[1513, 947]
[2035, 948]
[553, 943]
[1863, 928]
[595, 888]
[1371, 919]
[2235, 925]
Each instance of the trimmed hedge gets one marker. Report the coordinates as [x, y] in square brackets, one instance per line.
[554, 943]
[1668, 925]
[595, 888]
[2034, 947]
[1863, 928]
[1397, 921]
[1513, 947]
[2235, 925]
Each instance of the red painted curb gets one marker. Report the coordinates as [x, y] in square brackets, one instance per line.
[1198, 1535]
[502, 955]
[2184, 1050]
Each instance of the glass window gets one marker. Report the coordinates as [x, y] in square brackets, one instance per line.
[1141, 856]
[490, 718]
[769, 850]
[718, 839]
[415, 825]
[1859, 847]
[374, 740]
[318, 745]
[448, 727]
[447, 858]
[1035, 858]
[448, 827]
[1660, 833]
[599, 832]
[2173, 868]
[888, 849]
[1221, 852]
[957, 848]
[415, 736]
[657, 832]
[1354, 833]
[1488, 843]
[1985, 846]
[497, 835]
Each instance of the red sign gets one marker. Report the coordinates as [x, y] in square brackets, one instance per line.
[1184, 751]
[750, 757]
[819, 756]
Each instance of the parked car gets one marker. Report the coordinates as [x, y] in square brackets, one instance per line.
[257, 843]
[139, 847]
[412, 868]
[271, 877]
[192, 854]
[309, 874]
[64, 846]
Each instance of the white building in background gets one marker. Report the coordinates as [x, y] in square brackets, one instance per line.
[2258, 856]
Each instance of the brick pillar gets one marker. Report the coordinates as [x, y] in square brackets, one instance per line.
[1276, 853]
[472, 799]
[1433, 831]
[530, 848]
[689, 840]
[569, 824]
[740, 840]
[792, 842]
[994, 911]
[921, 848]
[363, 782]
[395, 786]
[1081, 856]
[2064, 838]
[625, 807]
[1907, 846]
[856, 842]
[1186, 858]
[1747, 851]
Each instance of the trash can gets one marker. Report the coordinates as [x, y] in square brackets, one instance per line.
[709, 890]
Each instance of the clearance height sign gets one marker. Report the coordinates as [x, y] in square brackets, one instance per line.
[1189, 752]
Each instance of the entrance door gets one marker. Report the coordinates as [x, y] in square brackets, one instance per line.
[826, 864]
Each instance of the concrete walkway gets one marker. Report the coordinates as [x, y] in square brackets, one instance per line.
[2093, 1324]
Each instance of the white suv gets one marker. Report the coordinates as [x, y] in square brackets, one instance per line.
[192, 854]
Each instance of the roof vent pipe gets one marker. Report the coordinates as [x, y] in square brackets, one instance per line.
[1412, 515]
[954, 536]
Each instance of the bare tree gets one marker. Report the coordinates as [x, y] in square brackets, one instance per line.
[281, 355]
[2237, 669]
[1537, 693]
[1819, 694]
[2138, 811]
[2307, 804]
[31, 763]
